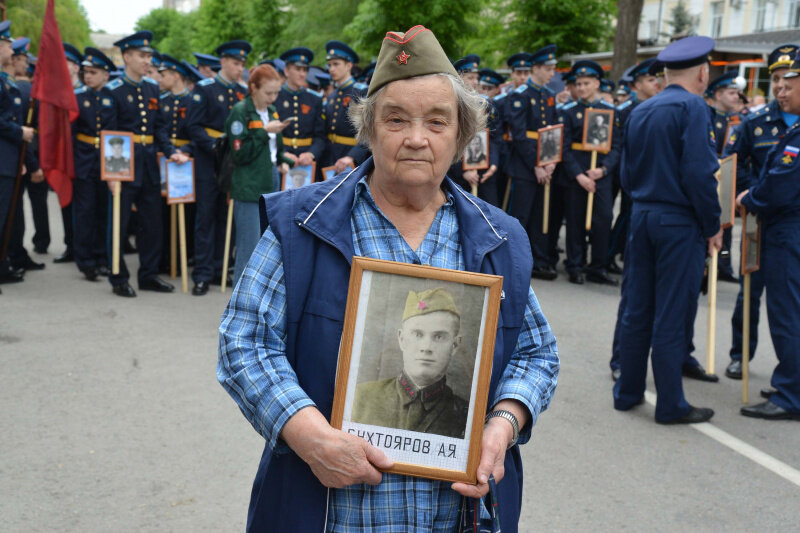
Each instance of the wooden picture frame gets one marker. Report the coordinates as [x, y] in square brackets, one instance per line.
[181, 183]
[751, 242]
[162, 170]
[598, 128]
[550, 146]
[391, 305]
[117, 156]
[330, 172]
[293, 178]
[476, 154]
[726, 175]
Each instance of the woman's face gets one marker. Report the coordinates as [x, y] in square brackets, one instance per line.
[266, 93]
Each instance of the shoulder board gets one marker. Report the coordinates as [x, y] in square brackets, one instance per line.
[548, 90]
[207, 81]
[499, 97]
[361, 86]
[315, 93]
[164, 95]
[606, 104]
[624, 105]
[81, 89]
[569, 105]
[114, 84]
[242, 85]
[764, 110]
[150, 80]
[521, 89]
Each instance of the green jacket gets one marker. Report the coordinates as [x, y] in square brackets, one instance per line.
[252, 173]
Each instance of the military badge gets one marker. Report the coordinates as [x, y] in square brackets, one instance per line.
[166, 109]
[17, 101]
[517, 104]
[237, 144]
[221, 98]
[732, 140]
[789, 154]
[152, 104]
[719, 125]
[130, 98]
[402, 59]
[346, 101]
[196, 97]
[579, 115]
[86, 103]
[775, 130]
[533, 101]
[551, 101]
[305, 109]
[758, 131]
[286, 103]
[240, 96]
[107, 102]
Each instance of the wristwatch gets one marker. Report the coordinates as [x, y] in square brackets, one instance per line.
[508, 415]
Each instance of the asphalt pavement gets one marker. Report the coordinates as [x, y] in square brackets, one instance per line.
[112, 419]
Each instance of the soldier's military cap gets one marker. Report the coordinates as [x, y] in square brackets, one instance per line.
[156, 59]
[586, 68]
[656, 69]
[606, 85]
[468, 63]
[92, 57]
[642, 68]
[31, 64]
[236, 48]
[726, 81]
[20, 46]
[545, 55]
[300, 56]
[569, 76]
[115, 140]
[489, 77]
[277, 64]
[206, 60]
[782, 56]
[72, 53]
[323, 79]
[170, 63]
[623, 87]
[408, 55]
[430, 301]
[794, 68]
[366, 74]
[5, 31]
[687, 52]
[141, 40]
[339, 50]
[193, 73]
[520, 61]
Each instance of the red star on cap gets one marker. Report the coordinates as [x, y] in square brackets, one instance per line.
[402, 59]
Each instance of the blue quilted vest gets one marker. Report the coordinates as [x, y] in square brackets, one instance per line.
[313, 226]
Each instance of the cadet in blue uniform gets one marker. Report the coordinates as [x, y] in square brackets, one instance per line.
[582, 180]
[97, 112]
[529, 107]
[211, 103]
[135, 98]
[489, 83]
[607, 90]
[668, 170]
[775, 198]
[342, 150]
[304, 138]
[207, 65]
[752, 141]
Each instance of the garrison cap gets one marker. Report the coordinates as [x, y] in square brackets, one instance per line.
[642, 68]
[490, 77]
[141, 40]
[206, 60]
[545, 55]
[192, 73]
[430, 301]
[72, 53]
[782, 56]
[301, 56]
[170, 63]
[686, 52]
[408, 55]
[520, 61]
[5, 31]
[468, 63]
[339, 50]
[20, 46]
[92, 57]
[236, 48]
[606, 85]
[587, 68]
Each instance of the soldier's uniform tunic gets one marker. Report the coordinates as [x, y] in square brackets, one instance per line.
[340, 131]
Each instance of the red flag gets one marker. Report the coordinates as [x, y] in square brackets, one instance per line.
[52, 88]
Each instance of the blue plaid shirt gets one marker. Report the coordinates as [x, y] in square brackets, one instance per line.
[254, 370]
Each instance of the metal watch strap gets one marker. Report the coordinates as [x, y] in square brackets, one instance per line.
[508, 415]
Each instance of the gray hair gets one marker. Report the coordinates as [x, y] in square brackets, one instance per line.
[471, 114]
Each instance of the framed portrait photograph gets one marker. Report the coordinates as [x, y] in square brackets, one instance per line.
[550, 145]
[116, 156]
[162, 169]
[330, 172]
[729, 131]
[727, 190]
[415, 363]
[598, 126]
[180, 182]
[299, 176]
[476, 155]
[751, 242]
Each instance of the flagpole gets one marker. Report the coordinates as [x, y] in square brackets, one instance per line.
[17, 186]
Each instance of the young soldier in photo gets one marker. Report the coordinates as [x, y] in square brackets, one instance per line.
[212, 101]
[135, 99]
[584, 180]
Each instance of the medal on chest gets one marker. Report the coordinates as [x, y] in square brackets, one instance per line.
[758, 131]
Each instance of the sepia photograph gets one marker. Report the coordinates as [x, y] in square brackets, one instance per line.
[299, 176]
[180, 182]
[597, 130]
[117, 163]
[476, 155]
[727, 190]
[550, 145]
[751, 242]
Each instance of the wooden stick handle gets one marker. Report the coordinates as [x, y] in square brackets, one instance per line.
[227, 252]
[115, 236]
[507, 195]
[173, 241]
[184, 262]
[474, 190]
[712, 312]
[590, 199]
[746, 339]
[546, 210]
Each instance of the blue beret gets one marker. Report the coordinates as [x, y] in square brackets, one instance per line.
[468, 63]
[586, 68]
[141, 40]
[686, 52]
[237, 48]
[339, 50]
[545, 55]
[490, 77]
[298, 56]
[5, 31]
[20, 46]
[782, 56]
[520, 61]
[92, 57]
[72, 53]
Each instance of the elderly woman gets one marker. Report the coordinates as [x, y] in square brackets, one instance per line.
[279, 336]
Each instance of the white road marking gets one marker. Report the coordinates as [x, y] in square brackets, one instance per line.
[750, 452]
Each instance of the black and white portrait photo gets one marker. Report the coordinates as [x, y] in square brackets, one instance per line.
[550, 145]
[727, 190]
[117, 156]
[597, 129]
[476, 155]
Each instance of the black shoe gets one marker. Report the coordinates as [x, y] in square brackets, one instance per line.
[546, 272]
[40, 250]
[576, 278]
[768, 411]
[66, 257]
[613, 268]
[104, 271]
[767, 392]
[9, 274]
[734, 369]
[694, 416]
[90, 273]
[29, 264]
[602, 278]
[727, 276]
[200, 288]
[155, 284]
[124, 290]
[698, 373]
[615, 373]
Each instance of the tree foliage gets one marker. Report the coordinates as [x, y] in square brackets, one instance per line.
[312, 23]
[171, 31]
[681, 19]
[27, 15]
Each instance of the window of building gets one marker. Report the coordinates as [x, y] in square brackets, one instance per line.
[717, 12]
[761, 15]
[794, 14]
